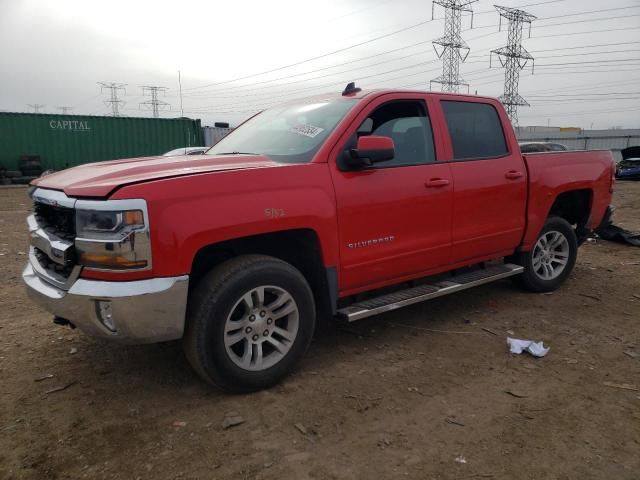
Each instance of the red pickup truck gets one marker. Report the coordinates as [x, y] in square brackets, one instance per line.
[306, 211]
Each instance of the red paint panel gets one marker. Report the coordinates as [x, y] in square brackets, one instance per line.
[553, 173]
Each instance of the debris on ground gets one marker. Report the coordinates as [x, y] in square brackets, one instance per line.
[454, 422]
[515, 394]
[518, 346]
[301, 428]
[384, 441]
[592, 297]
[613, 233]
[73, 351]
[461, 459]
[231, 419]
[631, 354]
[623, 386]
[61, 388]
[44, 377]
[178, 423]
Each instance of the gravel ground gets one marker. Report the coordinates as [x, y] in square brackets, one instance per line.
[425, 392]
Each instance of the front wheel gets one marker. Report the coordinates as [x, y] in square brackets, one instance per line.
[551, 259]
[249, 322]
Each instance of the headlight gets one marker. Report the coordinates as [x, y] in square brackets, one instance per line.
[102, 225]
[108, 238]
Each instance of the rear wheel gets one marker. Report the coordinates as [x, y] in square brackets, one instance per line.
[250, 320]
[551, 259]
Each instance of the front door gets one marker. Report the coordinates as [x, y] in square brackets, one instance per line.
[394, 219]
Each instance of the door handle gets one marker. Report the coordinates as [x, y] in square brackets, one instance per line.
[436, 182]
[513, 175]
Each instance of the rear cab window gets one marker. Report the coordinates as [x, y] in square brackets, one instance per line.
[475, 130]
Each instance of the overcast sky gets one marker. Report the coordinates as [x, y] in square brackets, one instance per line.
[587, 70]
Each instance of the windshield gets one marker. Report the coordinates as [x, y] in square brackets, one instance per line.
[289, 133]
[630, 163]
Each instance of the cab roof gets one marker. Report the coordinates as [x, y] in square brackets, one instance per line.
[362, 94]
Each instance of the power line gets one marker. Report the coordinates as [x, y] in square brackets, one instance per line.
[361, 59]
[247, 88]
[289, 93]
[584, 33]
[115, 102]
[578, 14]
[563, 24]
[410, 27]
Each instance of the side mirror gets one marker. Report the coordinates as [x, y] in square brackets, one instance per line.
[371, 149]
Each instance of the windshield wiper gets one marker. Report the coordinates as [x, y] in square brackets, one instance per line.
[236, 153]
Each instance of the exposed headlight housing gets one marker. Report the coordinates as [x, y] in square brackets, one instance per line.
[113, 235]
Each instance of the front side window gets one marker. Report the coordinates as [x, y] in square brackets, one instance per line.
[407, 123]
[288, 133]
[475, 129]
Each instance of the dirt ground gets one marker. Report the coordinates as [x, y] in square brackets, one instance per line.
[422, 393]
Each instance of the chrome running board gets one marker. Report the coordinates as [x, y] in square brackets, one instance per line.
[403, 298]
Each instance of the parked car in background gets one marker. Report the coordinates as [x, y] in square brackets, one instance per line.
[298, 213]
[534, 147]
[186, 151]
[629, 167]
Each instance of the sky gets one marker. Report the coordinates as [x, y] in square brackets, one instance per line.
[238, 57]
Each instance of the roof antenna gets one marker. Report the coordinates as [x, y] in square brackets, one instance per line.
[350, 89]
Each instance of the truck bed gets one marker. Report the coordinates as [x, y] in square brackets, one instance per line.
[552, 172]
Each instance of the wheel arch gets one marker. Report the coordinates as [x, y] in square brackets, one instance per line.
[299, 247]
[575, 207]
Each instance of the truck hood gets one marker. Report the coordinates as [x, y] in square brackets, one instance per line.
[102, 178]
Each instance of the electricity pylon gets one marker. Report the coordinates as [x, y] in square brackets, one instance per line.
[36, 107]
[154, 103]
[453, 49]
[513, 57]
[113, 97]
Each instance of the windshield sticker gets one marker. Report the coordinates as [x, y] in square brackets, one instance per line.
[307, 130]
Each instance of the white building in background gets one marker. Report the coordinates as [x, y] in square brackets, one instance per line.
[578, 139]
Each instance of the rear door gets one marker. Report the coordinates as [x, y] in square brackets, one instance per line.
[394, 219]
[490, 183]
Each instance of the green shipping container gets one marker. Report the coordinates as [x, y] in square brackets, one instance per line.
[64, 141]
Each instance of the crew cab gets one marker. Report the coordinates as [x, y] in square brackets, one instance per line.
[304, 212]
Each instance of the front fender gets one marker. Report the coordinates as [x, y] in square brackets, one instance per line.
[189, 213]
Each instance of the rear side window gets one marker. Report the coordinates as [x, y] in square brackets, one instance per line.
[475, 130]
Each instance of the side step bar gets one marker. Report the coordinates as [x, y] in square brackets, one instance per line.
[403, 298]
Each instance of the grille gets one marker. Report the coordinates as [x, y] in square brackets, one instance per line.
[60, 221]
[51, 266]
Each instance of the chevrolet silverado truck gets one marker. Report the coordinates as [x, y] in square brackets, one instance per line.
[350, 205]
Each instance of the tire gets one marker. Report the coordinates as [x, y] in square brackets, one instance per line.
[22, 180]
[545, 272]
[28, 161]
[221, 324]
[31, 172]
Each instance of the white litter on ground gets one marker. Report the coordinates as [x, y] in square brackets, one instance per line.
[534, 348]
